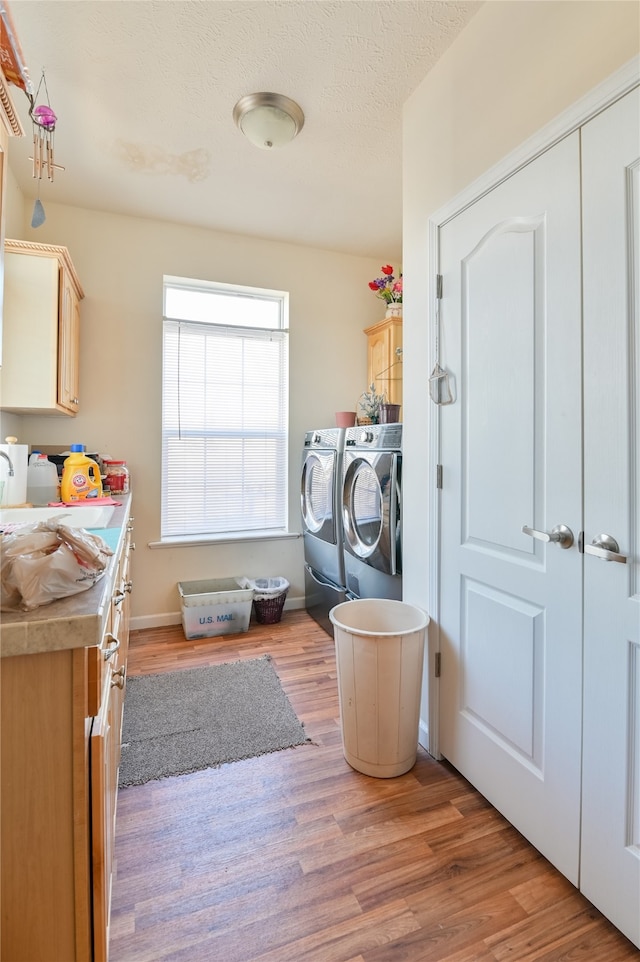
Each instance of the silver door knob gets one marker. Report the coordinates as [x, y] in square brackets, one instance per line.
[559, 535]
[606, 548]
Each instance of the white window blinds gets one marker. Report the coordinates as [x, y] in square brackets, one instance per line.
[224, 424]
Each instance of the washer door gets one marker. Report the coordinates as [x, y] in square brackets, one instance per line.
[370, 509]
[316, 494]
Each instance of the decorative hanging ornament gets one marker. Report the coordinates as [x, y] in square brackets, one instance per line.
[38, 217]
[44, 121]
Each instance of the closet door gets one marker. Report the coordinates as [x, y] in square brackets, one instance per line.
[511, 602]
[610, 865]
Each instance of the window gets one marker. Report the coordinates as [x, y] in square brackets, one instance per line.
[224, 410]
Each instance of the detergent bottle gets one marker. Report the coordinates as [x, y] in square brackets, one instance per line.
[80, 476]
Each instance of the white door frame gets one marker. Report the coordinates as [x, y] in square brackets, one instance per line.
[606, 93]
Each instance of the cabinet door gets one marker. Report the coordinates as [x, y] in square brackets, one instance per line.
[30, 335]
[68, 344]
[104, 787]
[384, 364]
[105, 752]
[41, 330]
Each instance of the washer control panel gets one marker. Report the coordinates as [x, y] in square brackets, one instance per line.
[382, 436]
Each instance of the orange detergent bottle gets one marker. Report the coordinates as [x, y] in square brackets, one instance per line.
[80, 477]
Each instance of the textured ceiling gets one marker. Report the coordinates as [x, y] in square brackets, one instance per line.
[144, 93]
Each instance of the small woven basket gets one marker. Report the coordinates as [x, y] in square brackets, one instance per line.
[268, 611]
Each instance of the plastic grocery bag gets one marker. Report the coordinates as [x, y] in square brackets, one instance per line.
[265, 588]
[48, 560]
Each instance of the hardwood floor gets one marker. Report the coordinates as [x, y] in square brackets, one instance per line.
[295, 857]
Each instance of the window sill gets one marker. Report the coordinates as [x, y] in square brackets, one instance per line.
[198, 540]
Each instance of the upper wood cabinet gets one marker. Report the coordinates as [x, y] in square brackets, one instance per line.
[384, 363]
[41, 335]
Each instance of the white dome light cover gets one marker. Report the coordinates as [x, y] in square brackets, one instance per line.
[268, 120]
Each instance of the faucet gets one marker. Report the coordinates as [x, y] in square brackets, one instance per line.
[9, 462]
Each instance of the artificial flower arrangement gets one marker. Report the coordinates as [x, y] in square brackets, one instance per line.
[387, 287]
[369, 404]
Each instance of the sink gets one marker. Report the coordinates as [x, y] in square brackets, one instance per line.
[97, 516]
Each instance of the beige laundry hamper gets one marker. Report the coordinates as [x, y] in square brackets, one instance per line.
[379, 654]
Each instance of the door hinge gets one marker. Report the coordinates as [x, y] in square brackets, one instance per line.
[438, 475]
[439, 286]
[437, 664]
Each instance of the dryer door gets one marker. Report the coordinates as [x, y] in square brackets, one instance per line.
[316, 495]
[370, 509]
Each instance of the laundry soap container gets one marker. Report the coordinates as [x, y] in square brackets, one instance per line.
[42, 479]
[379, 656]
[80, 476]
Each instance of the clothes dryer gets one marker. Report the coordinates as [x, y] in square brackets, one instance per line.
[320, 501]
[371, 511]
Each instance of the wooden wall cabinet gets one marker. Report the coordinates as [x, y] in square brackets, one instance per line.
[41, 335]
[384, 364]
[60, 752]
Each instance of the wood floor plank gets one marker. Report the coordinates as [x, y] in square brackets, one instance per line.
[467, 927]
[295, 857]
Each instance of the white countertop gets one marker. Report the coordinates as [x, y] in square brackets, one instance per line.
[74, 622]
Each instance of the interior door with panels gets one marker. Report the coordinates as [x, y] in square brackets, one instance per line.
[511, 603]
[610, 867]
[557, 436]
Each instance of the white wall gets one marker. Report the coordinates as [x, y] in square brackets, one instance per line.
[514, 68]
[120, 262]
[13, 215]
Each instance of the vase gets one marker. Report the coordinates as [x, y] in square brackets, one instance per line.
[345, 419]
[389, 413]
[394, 310]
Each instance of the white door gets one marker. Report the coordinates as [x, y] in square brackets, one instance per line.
[610, 870]
[541, 644]
[511, 604]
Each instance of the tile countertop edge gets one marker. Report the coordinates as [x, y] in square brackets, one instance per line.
[74, 622]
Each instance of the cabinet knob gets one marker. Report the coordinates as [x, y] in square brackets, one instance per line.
[118, 677]
[128, 586]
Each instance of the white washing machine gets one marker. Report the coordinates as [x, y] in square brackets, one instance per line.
[320, 502]
[372, 510]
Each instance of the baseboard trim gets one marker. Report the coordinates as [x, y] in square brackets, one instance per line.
[165, 619]
[423, 738]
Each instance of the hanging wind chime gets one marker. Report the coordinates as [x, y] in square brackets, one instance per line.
[43, 121]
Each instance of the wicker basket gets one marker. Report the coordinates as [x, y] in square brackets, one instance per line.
[268, 611]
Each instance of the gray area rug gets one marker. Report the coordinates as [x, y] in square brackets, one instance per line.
[184, 721]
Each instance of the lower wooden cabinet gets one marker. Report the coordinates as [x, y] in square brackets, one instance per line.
[61, 719]
[106, 741]
[45, 814]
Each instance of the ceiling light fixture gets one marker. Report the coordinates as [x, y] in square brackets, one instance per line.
[268, 120]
